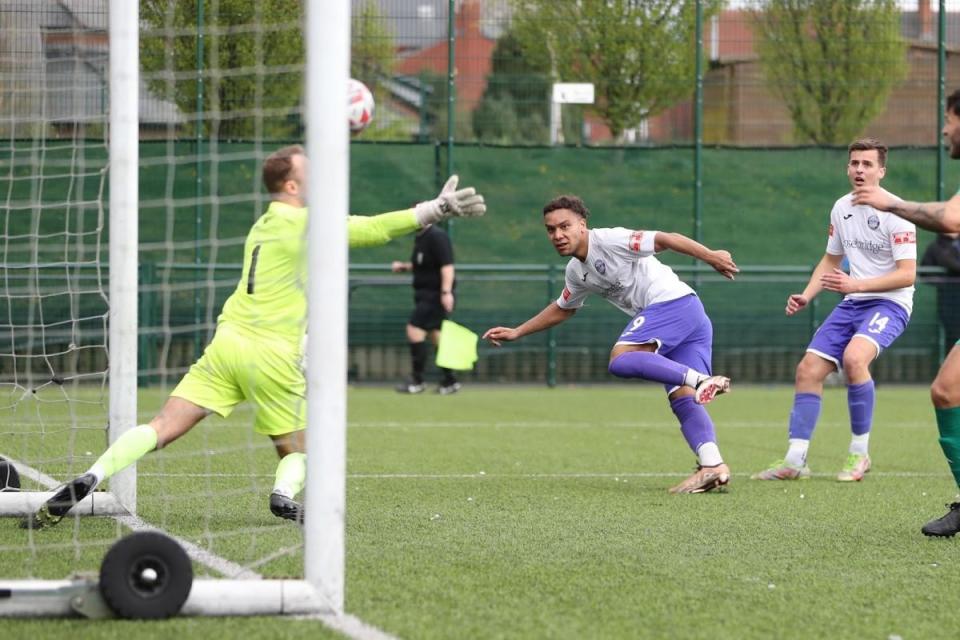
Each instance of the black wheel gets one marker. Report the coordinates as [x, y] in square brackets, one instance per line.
[145, 575]
[9, 478]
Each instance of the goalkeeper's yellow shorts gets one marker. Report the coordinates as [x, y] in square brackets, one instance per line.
[236, 367]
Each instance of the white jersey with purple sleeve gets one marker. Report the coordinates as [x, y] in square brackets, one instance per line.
[621, 267]
[873, 241]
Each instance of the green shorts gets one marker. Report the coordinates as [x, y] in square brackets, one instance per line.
[236, 367]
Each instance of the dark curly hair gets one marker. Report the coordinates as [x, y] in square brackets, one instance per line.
[571, 203]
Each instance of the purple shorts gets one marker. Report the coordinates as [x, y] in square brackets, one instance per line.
[681, 330]
[877, 319]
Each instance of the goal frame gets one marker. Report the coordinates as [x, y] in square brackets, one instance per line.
[321, 591]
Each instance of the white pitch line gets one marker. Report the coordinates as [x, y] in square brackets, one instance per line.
[588, 475]
[220, 565]
[531, 476]
[198, 554]
[348, 625]
[548, 424]
[31, 473]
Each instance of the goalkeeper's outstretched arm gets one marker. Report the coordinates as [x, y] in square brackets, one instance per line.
[373, 231]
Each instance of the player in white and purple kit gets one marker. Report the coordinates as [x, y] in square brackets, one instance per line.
[669, 338]
[878, 299]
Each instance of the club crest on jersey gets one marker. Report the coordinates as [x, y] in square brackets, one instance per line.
[905, 237]
[600, 266]
[873, 221]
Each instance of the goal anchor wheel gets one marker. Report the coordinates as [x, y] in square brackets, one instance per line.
[145, 575]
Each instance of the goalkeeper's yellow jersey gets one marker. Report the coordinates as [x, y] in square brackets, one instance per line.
[270, 300]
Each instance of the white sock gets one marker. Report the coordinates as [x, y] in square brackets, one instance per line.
[709, 454]
[797, 453]
[283, 491]
[693, 378]
[98, 473]
[858, 444]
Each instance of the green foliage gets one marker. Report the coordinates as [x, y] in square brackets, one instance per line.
[372, 53]
[833, 62]
[372, 58]
[435, 114]
[515, 106]
[639, 54]
[250, 65]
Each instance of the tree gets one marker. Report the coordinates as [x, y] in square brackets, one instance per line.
[435, 88]
[372, 53]
[516, 103]
[833, 62]
[639, 54]
[252, 63]
[372, 58]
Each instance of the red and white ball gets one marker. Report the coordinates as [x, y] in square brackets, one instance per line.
[360, 106]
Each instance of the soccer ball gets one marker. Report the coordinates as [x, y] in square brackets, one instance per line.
[359, 106]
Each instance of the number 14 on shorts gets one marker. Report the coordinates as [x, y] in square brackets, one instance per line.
[878, 323]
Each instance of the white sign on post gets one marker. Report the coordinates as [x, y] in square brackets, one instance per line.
[573, 92]
[567, 93]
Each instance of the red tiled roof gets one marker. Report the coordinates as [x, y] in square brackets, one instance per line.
[473, 54]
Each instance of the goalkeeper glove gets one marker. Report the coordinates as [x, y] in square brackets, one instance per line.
[450, 203]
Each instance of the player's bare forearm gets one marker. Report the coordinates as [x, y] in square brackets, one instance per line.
[720, 260]
[551, 316]
[935, 216]
[679, 243]
[903, 276]
[827, 263]
[928, 215]
[447, 273]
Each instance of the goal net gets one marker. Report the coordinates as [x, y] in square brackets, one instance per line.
[130, 155]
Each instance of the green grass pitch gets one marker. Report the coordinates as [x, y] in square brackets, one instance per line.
[530, 512]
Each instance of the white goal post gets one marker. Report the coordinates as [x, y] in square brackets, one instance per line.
[124, 78]
[321, 590]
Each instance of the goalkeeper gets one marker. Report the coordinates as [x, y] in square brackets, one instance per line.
[256, 351]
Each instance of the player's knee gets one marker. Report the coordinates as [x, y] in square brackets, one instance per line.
[807, 371]
[943, 396]
[617, 365]
[855, 366]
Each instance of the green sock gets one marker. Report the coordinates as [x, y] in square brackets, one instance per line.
[128, 448]
[291, 474]
[948, 421]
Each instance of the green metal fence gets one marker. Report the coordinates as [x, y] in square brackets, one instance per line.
[698, 125]
[754, 341]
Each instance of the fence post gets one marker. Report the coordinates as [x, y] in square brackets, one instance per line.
[551, 333]
[941, 92]
[941, 341]
[814, 308]
[698, 139]
[198, 186]
[146, 347]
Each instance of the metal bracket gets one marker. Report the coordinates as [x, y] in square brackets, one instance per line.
[90, 604]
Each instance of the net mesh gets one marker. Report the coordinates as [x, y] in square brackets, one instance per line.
[210, 489]
[222, 87]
